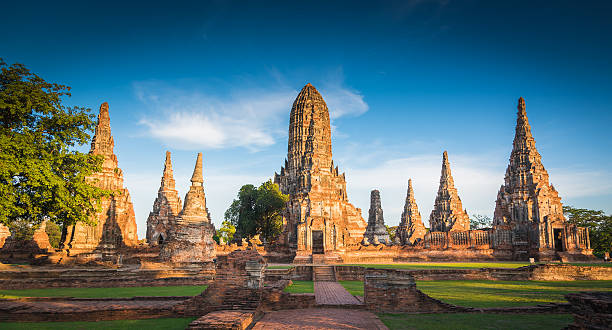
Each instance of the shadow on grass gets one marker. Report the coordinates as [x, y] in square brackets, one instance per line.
[475, 321]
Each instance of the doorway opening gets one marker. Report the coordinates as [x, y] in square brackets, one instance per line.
[317, 242]
[558, 239]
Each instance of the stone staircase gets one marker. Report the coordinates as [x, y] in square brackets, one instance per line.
[324, 274]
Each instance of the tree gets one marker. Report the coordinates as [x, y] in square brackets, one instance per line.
[42, 176]
[392, 232]
[226, 232]
[599, 225]
[55, 234]
[479, 221]
[258, 211]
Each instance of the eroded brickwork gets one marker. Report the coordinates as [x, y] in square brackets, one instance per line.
[411, 228]
[318, 209]
[529, 205]
[448, 213]
[191, 239]
[166, 207]
[376, 232]
[115, 223]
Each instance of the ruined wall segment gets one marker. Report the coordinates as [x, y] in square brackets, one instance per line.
[318, 198]
[166, 207]
[448, 213]
[528, 204]
[116, 223]
[191, 239]
[411, 228]
[376, 232]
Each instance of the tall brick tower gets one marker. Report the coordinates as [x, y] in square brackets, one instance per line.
[166, 207]
[116, 223]
[448, 213]
[319, 217]
[528, 204]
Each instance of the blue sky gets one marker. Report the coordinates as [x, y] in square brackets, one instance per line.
[404, 81]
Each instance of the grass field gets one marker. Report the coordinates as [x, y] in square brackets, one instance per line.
[300, 287]
[507, 293]
[149, 324]
[475, 321]
[497, 293]
[462, 265]
[105, 292]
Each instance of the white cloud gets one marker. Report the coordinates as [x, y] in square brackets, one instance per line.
[252, 118]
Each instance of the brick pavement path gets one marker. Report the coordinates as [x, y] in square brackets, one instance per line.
[333, 293]
[320, 318]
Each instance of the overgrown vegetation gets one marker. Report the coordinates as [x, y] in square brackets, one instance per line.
[42, 176]
[599, 225]
[479, 221]
[258, 211]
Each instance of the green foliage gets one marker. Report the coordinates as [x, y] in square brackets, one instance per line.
[391, 231]
[479, 221]
[599, 225]
[41, 175]
[226, 232]
[258, 211]
[55, 234]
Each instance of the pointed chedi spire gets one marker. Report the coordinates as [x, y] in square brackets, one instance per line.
[167, 180]
[448, 213]
[526, 195]
[376, 230]
[411, 228]
[166, 207]
[197, 178]
[102, 142]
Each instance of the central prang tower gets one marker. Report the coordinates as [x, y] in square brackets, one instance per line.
[319, 218]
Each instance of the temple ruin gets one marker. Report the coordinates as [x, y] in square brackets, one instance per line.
[191, 238]
[115, 223]
[166, 207]
[376, 232]
[411, 228]
[319, 218]
[530, 206]
[448, 213]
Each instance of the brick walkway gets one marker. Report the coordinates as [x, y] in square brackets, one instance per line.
[320, 318]
[333, 293]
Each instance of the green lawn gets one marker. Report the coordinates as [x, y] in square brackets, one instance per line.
[190, 290]
[476, 321]
[507, 293]
[497, 293]
[462, 265]
[300, 287]
[445, 265]
[279, 267]
[149, 324]
[353, 287]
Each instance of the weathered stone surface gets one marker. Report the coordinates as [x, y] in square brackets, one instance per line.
[529, 205]
[448, 213]
[28, 250]
[116, 223]
[166, 207]
[411, 228]
[4, 234]
[318, 199]
[591, 310]
[191, 239]
[376, 230]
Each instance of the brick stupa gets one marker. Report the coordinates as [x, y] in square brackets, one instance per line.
[448, 213]
[529, 204]
[166, 207]
[191, 239]
[376, 232]
[411, 228]
[318, 216]
[115, 223]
